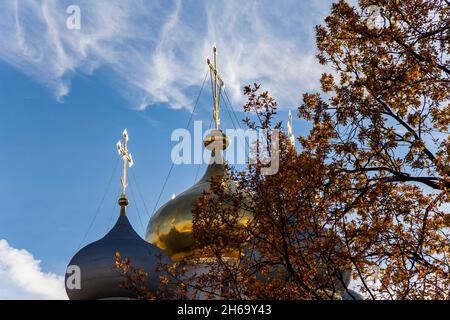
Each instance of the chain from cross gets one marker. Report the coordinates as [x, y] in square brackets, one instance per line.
[123, 151]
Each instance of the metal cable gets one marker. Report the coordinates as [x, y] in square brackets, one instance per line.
[137, 208]
[231, 118]
[119, 190]
[140, 193]
[100, 205]
[188, 124]
[231, 106]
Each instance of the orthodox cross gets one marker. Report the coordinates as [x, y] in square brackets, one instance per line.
[123, 151]
[217, 80]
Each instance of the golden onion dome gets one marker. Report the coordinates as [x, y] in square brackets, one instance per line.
[170, 228]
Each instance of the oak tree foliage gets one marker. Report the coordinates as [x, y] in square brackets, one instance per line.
[366, 195]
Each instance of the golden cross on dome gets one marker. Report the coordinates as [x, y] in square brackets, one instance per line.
[217, 79]
[123, 151]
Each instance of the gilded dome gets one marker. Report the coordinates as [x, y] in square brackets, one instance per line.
[170, 228]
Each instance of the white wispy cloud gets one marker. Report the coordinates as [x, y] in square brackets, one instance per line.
[157, 49]
[21, 276]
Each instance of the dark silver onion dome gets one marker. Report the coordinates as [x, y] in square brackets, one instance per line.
[99, 279]
[351, 295]
[341, 278]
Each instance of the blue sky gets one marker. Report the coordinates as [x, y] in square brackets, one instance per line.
[66, 95]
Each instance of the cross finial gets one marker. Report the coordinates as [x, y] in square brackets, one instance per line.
[123, 151]
[218, 85]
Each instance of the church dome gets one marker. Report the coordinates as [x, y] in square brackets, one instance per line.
[96, 262]
[170, 228]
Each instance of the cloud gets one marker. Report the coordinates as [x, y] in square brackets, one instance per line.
[157, 49]
[21, 276]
